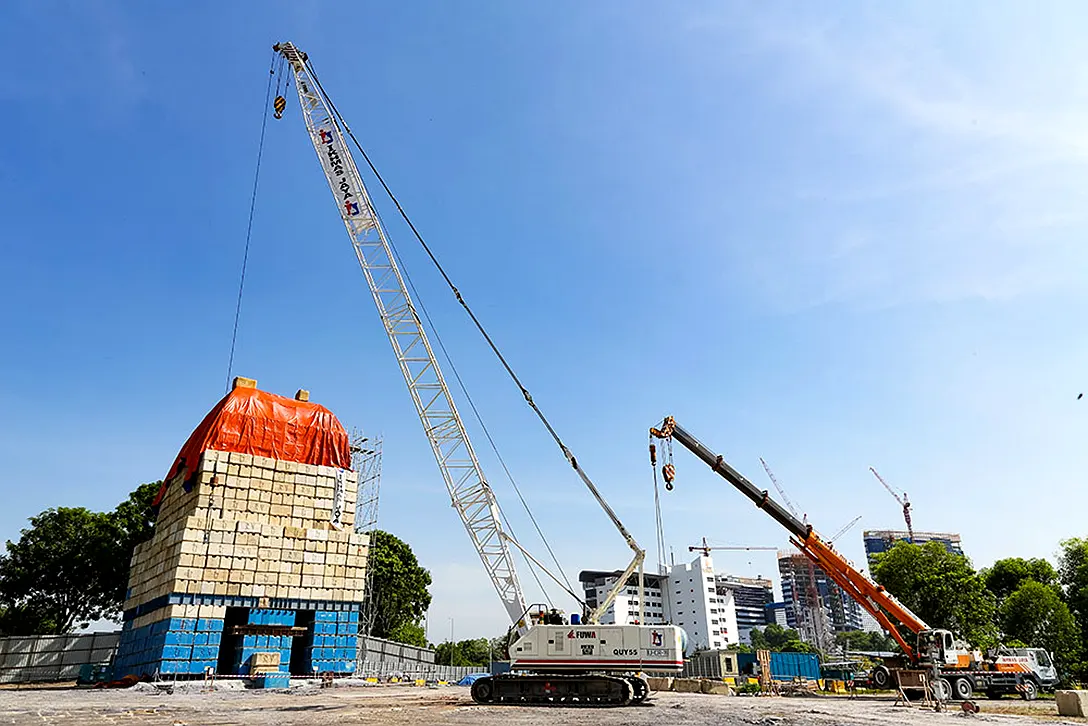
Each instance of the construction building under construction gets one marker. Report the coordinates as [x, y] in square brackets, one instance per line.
[818, 607]
[254, 567]
[882, 540]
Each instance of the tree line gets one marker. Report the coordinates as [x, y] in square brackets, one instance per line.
[1016, 601]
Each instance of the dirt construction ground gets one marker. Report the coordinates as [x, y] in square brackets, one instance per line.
[397, 705]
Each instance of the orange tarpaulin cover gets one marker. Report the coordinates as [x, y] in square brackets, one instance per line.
[250, 421]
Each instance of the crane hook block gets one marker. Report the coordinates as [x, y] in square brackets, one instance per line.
[279, 105]
[669, 472]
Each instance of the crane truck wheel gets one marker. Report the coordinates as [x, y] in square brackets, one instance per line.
[881, 677]
[942, 689]
[963, 689]
[1030, 691]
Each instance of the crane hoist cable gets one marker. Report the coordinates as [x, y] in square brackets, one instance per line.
[483, 426]
[657, 511]
[567, 453]
[249, 226]
[441, 345]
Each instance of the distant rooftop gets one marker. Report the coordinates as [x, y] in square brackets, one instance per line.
[903, 534]
[591, 575]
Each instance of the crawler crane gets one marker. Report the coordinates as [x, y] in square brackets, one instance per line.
[959, 670]
[553, 659]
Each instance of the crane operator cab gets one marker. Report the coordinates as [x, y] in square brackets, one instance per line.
[940, 647]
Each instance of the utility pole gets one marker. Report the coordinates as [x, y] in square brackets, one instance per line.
[453, 646]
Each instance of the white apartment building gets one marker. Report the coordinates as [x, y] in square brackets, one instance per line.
[686, 596]
[624, 609]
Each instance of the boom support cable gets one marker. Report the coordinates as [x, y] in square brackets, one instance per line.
[249, 226]
[487, 433]
[445, 353]
[479, 326]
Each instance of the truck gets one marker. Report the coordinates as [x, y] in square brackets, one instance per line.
[954, 669]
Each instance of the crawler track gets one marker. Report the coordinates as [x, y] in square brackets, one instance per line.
[590, 690]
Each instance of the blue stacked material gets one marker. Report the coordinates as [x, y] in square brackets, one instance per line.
[784, 666]
[272, 680]
[169, 646]
[250, 644]
[335, 643]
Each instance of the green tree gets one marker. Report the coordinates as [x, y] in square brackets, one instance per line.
[399, 597]
[500, 648]
[1073, 576]
[474, 653]
[775, 637]
[53, 576]
[941, 588]
[72, 565]
[133, 522]
[864, 640]
[1006, 576]
[1037, 616]
[410, 634]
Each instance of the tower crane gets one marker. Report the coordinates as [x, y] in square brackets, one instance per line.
[903, 502]
[845, 529]
[778, 487]
[706, 548]
[955, 668]
[813, 617]
[552, 660]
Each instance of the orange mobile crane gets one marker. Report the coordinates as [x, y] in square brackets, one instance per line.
[957, 670]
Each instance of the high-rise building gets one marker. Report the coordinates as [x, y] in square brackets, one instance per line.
[694, 604]
[686, 596]
[751, 596]
[882, 540]
[819, 607]
[776, 612]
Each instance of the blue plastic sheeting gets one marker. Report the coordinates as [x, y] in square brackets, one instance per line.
[471, 678]
[784, 666]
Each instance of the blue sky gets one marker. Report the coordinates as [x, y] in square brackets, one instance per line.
[831, 239]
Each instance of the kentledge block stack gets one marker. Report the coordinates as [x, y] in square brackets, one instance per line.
[254, 567]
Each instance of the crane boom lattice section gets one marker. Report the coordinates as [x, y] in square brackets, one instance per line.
[468, 488]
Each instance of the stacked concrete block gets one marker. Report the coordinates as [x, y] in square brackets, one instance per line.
[244, 531]
[185, 641]
[251, 647]
[254, 527]
[335, 641]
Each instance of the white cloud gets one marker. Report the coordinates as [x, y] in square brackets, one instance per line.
[957, 177]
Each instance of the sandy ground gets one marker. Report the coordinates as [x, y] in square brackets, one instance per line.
[397, 705]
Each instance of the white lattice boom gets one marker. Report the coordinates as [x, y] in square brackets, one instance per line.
[468, 488]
